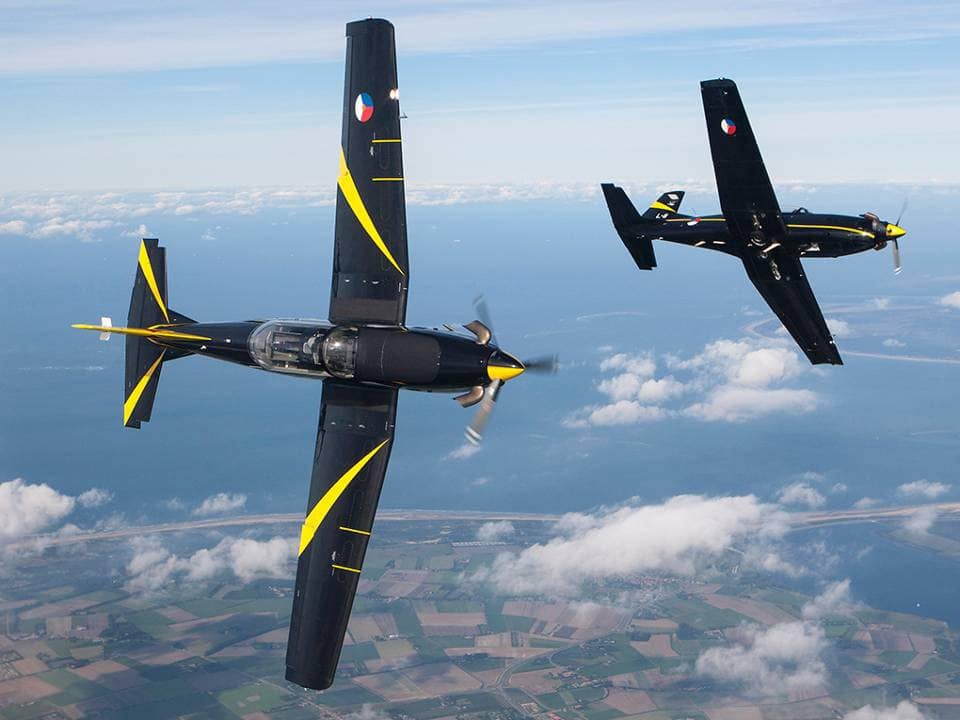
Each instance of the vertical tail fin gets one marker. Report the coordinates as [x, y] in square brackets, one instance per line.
[631, 226]
[148, 309]
[665, 206]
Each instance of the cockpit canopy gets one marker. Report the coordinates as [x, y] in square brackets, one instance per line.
[340, 352]
[291, 346]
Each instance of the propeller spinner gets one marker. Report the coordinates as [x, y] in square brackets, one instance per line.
[500, 368]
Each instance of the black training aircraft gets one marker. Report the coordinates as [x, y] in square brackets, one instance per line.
[364, 355]
[752, 227]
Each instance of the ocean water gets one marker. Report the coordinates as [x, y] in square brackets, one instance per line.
[557, 279]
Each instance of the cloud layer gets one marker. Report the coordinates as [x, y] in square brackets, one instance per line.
[680, 535]
[784, 659]
[729, 381]
[153, 567]
[219, 504]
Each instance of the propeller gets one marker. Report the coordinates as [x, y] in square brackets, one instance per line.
[483, 329]
[896, 243]
[889, 232]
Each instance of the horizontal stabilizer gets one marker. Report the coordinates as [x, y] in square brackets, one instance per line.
[631, 227]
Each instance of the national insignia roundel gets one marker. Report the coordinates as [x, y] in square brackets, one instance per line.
[363, 107]
[728, 126]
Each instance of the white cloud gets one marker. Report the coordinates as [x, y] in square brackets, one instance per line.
[738, 404]
[799, 493]
[865, 503]
[622, 412]
[679, 535]
[839, 488]
[905, 710]
[923, 488]
[154, 568]
[140, 231]
[13, 227]
[784, 659]
[838, 328]
[643, 366]
[27, 509]
[85, 230]
[921, 520]
[368, 712]
[894, 343]
[495, 531]
[836, 599]
[951, 301]
[880, 303]
[220, 503]
[736, 380]
[94, 497]
[467, 450]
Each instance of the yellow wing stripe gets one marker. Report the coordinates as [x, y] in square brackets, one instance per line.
[386, 140]
[131, 403]
[387, 179]
[354, 530]
[657, 205]
[147, 268]
[349, 189]
[319, 512]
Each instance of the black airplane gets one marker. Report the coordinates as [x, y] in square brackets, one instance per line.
[364, 354]
[752, 227]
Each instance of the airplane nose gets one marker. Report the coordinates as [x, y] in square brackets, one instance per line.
[895, 231]
[502, 366]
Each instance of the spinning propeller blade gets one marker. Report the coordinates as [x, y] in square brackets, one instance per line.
[483, 329]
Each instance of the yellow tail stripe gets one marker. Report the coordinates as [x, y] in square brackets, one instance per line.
[348, 569]
[354, 530]
[386, 140]
[349, 189]
[319, 512]
[143, 332]
[147, 269]
[387, 179]
[657, 205]
[131, 403]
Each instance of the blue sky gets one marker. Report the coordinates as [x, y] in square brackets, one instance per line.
[108, 95]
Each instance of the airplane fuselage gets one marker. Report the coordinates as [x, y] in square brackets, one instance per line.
[422, 359]
[808, 234]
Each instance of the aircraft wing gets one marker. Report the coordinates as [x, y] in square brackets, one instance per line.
[783, 284]
[370, 269]
[353, 447]
[746, 194]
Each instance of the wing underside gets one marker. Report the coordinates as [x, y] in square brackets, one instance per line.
[783, 284]
[747, 198]
[353, 446]
[756, 226]
[370, 269]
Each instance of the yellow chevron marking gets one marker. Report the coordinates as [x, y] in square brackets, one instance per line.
[131, 403]
[348, 569]
[350, 193]
[862, 233]
[143, 332]
[657, 205]
[354, 530]
[387, 179]
[147, 269]
[386, 140]
[316, 516]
